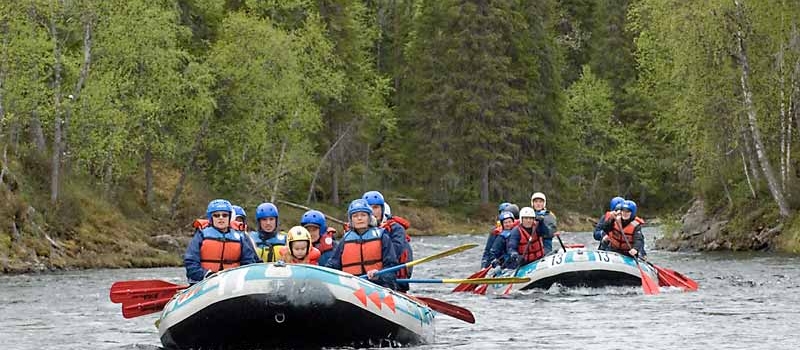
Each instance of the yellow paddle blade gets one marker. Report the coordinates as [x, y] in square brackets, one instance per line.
[443, 254]
[492, 280]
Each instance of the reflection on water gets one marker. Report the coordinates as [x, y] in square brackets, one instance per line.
[745, 301]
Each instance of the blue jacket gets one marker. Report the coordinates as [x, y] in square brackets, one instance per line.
[191, 259]
[498, 250]
[325, 256]
[486, 259]
[400, 245]
[388, 256]
[599, 232]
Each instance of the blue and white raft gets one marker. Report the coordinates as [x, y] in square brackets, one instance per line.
[295, 306]
[581, 268]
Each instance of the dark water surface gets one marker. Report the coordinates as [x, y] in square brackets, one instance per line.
[745, 301]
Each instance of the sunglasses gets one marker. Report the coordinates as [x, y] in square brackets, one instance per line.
[220, 215]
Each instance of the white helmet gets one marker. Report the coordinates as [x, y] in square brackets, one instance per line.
[527, 212]
[541, 196]
[387, 210]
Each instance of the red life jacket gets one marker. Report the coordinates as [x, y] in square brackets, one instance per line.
[498, 229]
[403, 258]
[325, 242]
[203, 223]
[362, 253]
[311, 258]
[220, 251]
[536, 249]
[615, 239]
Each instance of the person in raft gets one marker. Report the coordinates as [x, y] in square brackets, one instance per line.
[396, 227]
[612, 212]
[298, 249]
[624, 232]
[240, 217]
[322, 236]
[525, 242]
[365, 249]
[544, 218]
[217, 246]
[486, 259]
[268, 241]
[498, 254]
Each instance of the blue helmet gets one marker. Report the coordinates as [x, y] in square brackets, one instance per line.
[375, 198]
[218, 205]
[631, 206]
[239, 211]
[502, 207]
[505, 215]
[614, 202]
[266, 210]
[358, 205]
[314, 217]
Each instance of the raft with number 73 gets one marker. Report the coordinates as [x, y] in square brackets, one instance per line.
[580, 268]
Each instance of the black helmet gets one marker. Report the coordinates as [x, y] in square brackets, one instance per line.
[514, 209]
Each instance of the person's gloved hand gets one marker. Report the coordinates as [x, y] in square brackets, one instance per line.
[515, 258]
[484, 263]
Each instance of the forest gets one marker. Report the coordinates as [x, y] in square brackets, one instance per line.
[140, 111]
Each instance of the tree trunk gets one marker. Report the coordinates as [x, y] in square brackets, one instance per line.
[148, 177]
[747, 174]
[782, 108]
[56, 159]
[322, 162]
[335, 184]
[198, 142]
[766, 168]
[278, 173]
[84, 73]
[3, 58]
[485, 181]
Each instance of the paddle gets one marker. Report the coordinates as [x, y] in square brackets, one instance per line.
[436, 256]
[466, 287]
[448, 309]
[145, 308]
[558, 235]
[142, 290]
[490, 280]
[648, 285]
[672, 278]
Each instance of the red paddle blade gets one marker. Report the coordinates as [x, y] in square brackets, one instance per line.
[470, 287]
[145, 308]
[675, 279]
[650, 287]
[449, 309]
[139, 291]
[481, 289]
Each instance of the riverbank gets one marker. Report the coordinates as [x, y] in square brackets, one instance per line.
[757, 229]
[97, 233]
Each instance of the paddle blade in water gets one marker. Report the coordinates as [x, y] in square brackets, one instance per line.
[465, 287]
[648, 285]
[449, 309]
[673, 278]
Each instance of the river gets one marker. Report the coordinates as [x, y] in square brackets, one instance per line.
[745, 301]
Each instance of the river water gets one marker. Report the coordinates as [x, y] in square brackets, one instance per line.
[745, 301]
